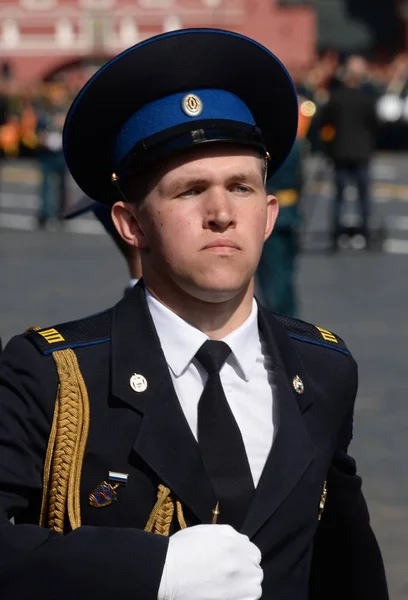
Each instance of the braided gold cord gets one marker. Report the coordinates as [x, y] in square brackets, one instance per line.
[74, 485]
[47, 466]
[162, 509]
[180, 515]
[164, 518]
[63, 464]
[161, 516]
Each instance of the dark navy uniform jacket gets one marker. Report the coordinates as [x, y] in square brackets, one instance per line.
[146, 435]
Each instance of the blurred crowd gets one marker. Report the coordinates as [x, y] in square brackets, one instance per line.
[385, 80]
[32, 114]
[23, 106]
[32, 117]
[381, 77]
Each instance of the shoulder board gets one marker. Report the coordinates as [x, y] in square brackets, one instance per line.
[312, 334]
[89, 331]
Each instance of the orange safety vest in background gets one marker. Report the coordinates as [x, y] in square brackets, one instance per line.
[28, 127]
[10, 137]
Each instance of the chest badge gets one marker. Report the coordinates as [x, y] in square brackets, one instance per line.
[105, 493]
[298, 385]
[138, 383]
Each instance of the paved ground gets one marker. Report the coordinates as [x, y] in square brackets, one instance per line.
[363, 298]
[50, 276]
[389, 195]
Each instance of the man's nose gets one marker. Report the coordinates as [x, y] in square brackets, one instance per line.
[220, 211]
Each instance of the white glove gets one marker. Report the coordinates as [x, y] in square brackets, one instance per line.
[211, 562]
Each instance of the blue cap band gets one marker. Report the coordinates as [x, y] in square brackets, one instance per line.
[168, 112]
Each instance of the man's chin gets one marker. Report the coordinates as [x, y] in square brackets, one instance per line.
[217, 293]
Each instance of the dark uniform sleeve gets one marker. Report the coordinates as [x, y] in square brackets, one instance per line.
[347, 562]
[89, 562]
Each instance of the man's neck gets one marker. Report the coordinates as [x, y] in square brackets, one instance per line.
[215, 319]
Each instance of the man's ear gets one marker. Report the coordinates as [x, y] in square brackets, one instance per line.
[272, 214]
[127, 224]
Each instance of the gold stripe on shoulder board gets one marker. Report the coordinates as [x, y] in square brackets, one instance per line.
[328, 336]
[51, 336]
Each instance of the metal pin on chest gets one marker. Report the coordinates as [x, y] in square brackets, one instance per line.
[138, 383]
[105, 493]
[298, 385]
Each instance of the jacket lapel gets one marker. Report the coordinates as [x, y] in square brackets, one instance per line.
[292, 450]
[164, 441]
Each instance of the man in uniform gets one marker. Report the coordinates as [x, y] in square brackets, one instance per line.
[275, 277]
[53, 189]
[181, 445]
[349, 122]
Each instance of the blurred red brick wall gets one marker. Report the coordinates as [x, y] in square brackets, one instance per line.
[289, 32]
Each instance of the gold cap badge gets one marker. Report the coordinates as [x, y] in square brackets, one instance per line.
[138, 383]
[298, 385]
[192, 105]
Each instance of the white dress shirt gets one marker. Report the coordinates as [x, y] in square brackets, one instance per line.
[245, 377]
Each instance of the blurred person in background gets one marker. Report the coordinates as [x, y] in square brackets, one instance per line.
[102, 212]
[321, 78]
[398, 74]
[275, 276]
[318, 82]
[50, 124]
[275, 279]
[7, 139]
[3, 106]
[29, 108]
[349, 123]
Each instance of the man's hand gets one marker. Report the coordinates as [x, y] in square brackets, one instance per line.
[211, 562]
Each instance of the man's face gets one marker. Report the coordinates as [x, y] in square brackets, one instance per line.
[203, 222]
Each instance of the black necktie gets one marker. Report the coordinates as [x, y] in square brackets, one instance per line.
[220, 440]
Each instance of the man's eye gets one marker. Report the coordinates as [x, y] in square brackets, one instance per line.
[190, 192]
[241, 189]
